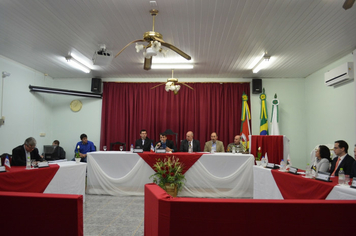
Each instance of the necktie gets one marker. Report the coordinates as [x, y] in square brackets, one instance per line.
[337, 164]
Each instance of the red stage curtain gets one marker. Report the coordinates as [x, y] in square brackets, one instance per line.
[272, 144]
[129, 107]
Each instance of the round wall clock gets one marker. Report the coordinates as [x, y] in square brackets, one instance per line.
[76, 105]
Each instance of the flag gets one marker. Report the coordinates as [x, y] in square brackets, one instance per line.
[263, 116]
[275, 116]
[7, 163]
[245, 124]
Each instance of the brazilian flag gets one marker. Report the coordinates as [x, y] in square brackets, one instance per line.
[263, 117]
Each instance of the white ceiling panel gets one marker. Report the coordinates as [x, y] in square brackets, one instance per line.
[223, 37]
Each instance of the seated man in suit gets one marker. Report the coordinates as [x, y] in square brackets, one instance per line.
[144, 142]
[190, 143]
[20, 153]
[59, 152]
[85, 146]
[165, 143]
[342, 159]
[214, 144]
[353, 171]
[238, 146]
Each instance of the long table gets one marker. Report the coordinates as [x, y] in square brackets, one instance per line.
[212, 175]
[273, 184]
[61, 178]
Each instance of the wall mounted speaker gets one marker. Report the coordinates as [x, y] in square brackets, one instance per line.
[96, 85]
[256, 86]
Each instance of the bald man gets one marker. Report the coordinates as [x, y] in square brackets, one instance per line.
[236, 144]
[190, 142]
[214, 144]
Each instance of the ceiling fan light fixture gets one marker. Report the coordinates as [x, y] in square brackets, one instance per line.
[76, 64]
[139, 47]
[150, 52]
[261, 64]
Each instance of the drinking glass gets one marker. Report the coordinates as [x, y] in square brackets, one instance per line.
[104, 148]
[33, 163]
[121, 147]
[347, 179]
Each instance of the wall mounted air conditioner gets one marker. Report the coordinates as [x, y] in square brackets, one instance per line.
[340, 74]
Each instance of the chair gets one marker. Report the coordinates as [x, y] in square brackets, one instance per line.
[3, 157]
[170, 132]
[116, 146]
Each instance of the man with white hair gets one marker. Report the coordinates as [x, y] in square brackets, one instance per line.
[20, 153]
[190, 143]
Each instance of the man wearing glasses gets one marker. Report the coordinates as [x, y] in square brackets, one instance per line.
[343, 160]
[20, 153]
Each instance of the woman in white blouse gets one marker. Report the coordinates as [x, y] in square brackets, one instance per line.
[322, 159]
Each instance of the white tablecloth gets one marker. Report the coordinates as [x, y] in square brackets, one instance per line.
[69, 179]
[265, 187]
[213, 175]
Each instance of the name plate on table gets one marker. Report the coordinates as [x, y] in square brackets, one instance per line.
[353, 184]
[2, 169]
[293, 170]
[42, 164]
[323, 176]
[160, 150]
[272, 166]
[138, 150]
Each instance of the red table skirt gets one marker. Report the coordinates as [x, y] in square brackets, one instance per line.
[188, 159]
[298, 187]
[19, 179]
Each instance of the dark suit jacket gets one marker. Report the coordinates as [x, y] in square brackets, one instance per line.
[19, 156]
[58, 153]
[184, 146]
[346, 164]
[170, 144]
[146, 147]
[353, 171]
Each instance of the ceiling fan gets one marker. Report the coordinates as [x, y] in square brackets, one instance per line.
[348, 4]
[172, 84]
[155, 41]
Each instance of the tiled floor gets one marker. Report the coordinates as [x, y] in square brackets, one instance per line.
[111, 215]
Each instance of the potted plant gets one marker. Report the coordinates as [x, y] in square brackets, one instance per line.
[169, 175]
[77, 155]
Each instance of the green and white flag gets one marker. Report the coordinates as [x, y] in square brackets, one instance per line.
[274, 129]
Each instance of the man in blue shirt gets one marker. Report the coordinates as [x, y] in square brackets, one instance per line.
[84, 146]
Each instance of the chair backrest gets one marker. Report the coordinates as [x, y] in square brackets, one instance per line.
[3, 157]
[116, 146]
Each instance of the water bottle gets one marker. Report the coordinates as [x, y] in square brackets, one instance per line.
[341, 176]
[233, 150]
[281, 165]
[131, 148]
[308, 171]
[263, 162]
[28, 162]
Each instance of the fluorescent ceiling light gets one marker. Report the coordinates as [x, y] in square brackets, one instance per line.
[263, 62]
[76, 64]
[172, 66]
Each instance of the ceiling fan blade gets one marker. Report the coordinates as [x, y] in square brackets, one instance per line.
[147, 64]
[348, 4]
[177, 50]
[135, 41]
[158, 39]
[186, 85]
[158, 85]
